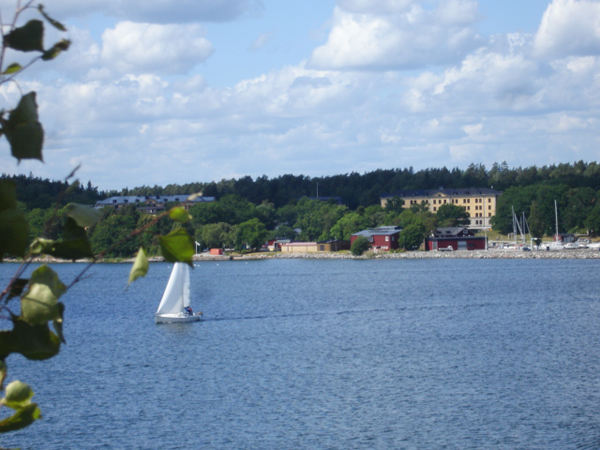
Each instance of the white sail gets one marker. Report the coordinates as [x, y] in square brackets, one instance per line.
[177, 293]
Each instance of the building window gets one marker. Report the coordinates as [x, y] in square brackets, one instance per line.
[489, 206]
[434, 209]
[387, 239]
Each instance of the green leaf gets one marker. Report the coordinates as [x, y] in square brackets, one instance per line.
[140, 266]
[75, 244]
[42, 246]
[35, 342]
[2, 372]
[13, 233]
[179, 214]
[56, 49]
[73, 187]
[177, 246]
[23, 129]
[21, 419]
[56, 24]
[28, 38]
[40, 303]
[13, 68]
[18, 395]
[85, 216]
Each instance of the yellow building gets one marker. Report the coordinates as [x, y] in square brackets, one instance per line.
[479, 203]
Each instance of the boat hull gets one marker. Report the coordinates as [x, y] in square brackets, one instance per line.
[175, 318]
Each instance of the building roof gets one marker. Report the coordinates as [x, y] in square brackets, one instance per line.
[452, 232]
[379, 231]
[131, 199]
[447, 192]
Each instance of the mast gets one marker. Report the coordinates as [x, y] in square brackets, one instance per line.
[514, 219]
[556, 215]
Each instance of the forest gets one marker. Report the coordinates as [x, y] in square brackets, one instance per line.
[249, 211]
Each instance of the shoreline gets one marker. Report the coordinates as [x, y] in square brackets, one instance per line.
[457, 254]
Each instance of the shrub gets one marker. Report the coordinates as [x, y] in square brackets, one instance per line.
[360, 245]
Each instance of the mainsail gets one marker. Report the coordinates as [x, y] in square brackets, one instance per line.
[177, 293]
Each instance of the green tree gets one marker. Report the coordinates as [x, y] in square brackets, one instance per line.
[217, 235]
[252, 233]
[450, 215]
[536, 222]
[412, 237]
[592, 222]
[114, 229]
[347, 225]
[360, 245]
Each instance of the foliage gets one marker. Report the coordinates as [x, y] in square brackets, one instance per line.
[412, 237]
[347, 225]
[366, 189]
[217, 235]
[251, 234]
[449, 215]
[31, 307]
[360, 245]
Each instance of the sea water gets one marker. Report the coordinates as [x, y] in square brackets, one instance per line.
[326, 354]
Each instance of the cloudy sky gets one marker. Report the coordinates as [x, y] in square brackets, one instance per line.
[165, 91]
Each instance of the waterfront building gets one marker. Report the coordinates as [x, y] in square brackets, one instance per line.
[479, 203]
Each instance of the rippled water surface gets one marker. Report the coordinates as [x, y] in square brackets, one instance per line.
[325, 354]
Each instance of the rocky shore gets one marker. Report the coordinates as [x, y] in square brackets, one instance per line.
[460, 254]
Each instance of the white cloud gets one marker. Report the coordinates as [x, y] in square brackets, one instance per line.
[163, 49]
[568, 28]
[393, 34]
[115, 106]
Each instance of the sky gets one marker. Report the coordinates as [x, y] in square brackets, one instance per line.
[175, 92]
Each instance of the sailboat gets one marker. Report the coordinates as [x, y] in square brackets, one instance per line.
[174, 306]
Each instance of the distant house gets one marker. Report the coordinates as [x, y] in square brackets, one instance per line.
[479, 203]
[151, 204]
[333, 246]
[299, 247]
[564, 238]
[384, 238]
[274, 245]
[314, 247]
[456, 238]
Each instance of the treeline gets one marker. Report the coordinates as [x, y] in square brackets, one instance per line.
[366, 189]
[354, 189]
[245, 213]
[578, 209]
[35, 192]
[234, 222]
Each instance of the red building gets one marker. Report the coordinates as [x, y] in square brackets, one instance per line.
[455, 238]
[384, 238]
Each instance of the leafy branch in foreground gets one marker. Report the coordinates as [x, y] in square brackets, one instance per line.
[39, 307]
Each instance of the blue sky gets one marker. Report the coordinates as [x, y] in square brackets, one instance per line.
[200, 90]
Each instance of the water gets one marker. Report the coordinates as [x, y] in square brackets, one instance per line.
[327, 354]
